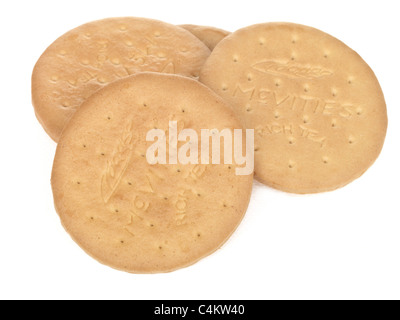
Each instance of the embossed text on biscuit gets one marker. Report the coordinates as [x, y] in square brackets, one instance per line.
[291, 70]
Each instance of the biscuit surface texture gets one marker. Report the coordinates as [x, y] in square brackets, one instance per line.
[131, 215]
[211, 36]
[317, 108]
[92, 55]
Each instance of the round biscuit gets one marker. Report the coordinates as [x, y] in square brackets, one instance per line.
[127, 213]
[211, 36]
[317, 109]
[92, 55]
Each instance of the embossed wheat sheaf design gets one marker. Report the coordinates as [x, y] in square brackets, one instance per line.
[117, 164]
[291, 70]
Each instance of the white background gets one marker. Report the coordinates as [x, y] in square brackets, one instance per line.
[338, 245]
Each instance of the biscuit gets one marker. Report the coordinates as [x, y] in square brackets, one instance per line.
[317, 109]
[131, 215]
[209, 35]
[89, 57]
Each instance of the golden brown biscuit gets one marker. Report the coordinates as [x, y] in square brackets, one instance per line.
[87, 58]
[209, 35]
[317, 108]
[129, 214]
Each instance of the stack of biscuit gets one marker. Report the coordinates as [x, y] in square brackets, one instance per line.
[316, 108]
